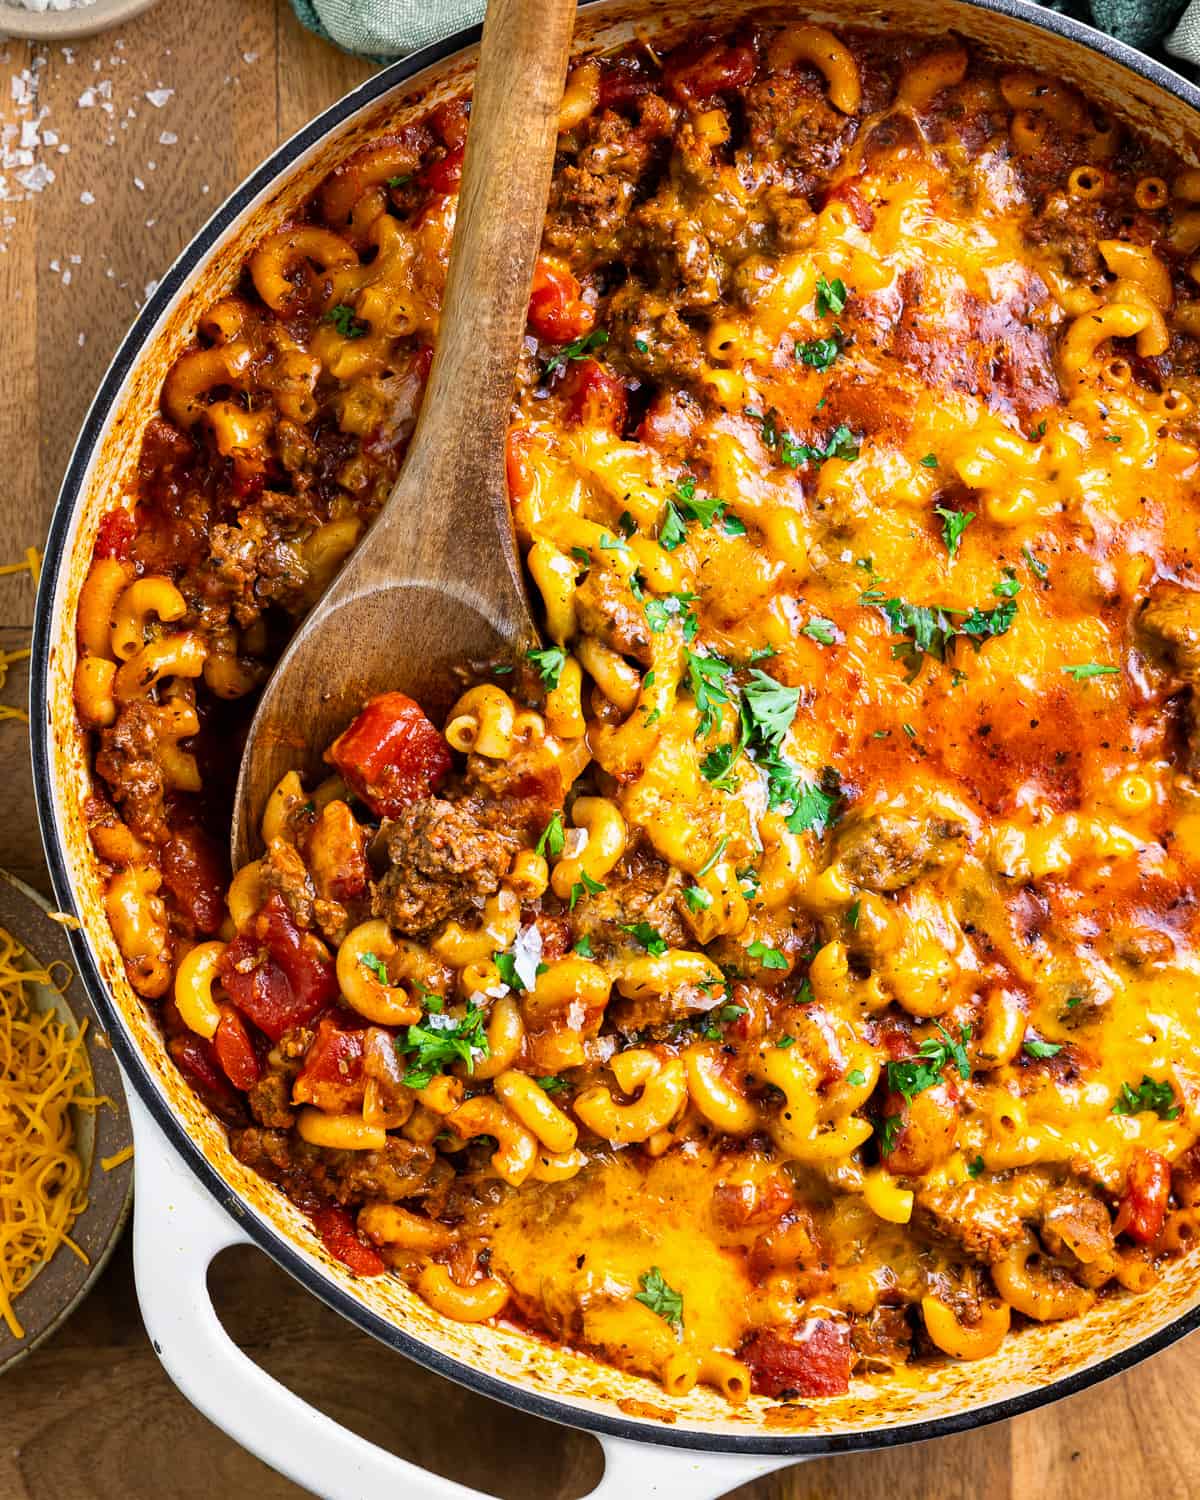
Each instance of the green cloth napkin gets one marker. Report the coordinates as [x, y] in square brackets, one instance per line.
[385, 29]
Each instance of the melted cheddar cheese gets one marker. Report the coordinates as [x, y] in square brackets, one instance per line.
[790, 971]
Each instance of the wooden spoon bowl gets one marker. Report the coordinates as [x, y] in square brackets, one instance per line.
[437, 581]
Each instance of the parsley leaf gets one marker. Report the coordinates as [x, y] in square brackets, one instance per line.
[1036, 564]
[974, 1168]
[1148, 1098]
[583, 946]
[649, 937]
[717, 766]
[954, 523]
[770, 708]
[931, 629]
[708, 679]
[376, 965]
[1035, 1047]
[442, 1039]
[343, 319]
[553, 838]
[856, 1078]
[768, 957]
[578, 348]
[819, 353]
[585, 885]
[889, 1129]
[697, 900]
[549, 662]
[713, 858]
[831, 296]
[821, 630]
[929, 461]
[672, 533]
[1086, 669]
[916, 1074]
[552, 1084]
[660, 1298]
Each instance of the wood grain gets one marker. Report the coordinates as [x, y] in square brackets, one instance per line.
[91, 1414]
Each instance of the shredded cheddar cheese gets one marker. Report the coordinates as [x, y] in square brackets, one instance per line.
[44, 1071]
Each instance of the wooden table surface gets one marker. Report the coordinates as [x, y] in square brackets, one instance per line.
[91, 1414]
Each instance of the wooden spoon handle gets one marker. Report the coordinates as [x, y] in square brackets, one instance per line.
[457, 450]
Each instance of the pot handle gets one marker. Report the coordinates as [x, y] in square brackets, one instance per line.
[178, 1229]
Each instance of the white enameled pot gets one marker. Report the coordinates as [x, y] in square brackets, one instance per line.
[194, 1198]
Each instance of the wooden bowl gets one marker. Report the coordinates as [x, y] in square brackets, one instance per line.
[64, 1281]
[66, 25]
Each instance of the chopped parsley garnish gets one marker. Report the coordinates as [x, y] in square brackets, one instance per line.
[583, 946]
[1035, 1047]
[549, 662]
[584, 886]
[672, 533]
[784, 1042]
[343, 319]
[889, 1129]
[553, 838]
[578, 348]
[916, 1074]
[929, 461]
[852, 915]
[768, 957]
[954, 523]
[442, 1039]
[974, 1168]
[626, 524]
[821, 630]
[1085, 669]
[376, 965]
[1148, 1098]
[770, 708]
[1035, 563]
[712, 859]
[814, 803]
[708, 679]
[722, 1017]
[933, 629]
[399, 182]
[791, 453]
[1038, 432]
[717, 766]
[856, 1078]
[552, 1084]
[697, 900]
[509, 965]
[819, 353]
[660, 1298]
[641, 346]
[672, 607]
[649, 937]
[831, 296]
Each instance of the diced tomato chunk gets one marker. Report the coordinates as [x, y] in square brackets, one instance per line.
[445, 175]
[623, 81]
[595, 395]
[339, 1236]
[1143, 1205]
[114, 535]
[196, 873]
[196, 1058]
[332, 1075]
[518, 469]
[449, 122]
[557, 311]
[708, 67]
[811, 1359]
[277, 976]
[235, 1051]
[391, 755]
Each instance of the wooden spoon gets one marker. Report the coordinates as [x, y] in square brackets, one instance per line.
[437, 580]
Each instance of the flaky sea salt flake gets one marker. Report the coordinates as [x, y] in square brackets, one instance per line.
[159, 97]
